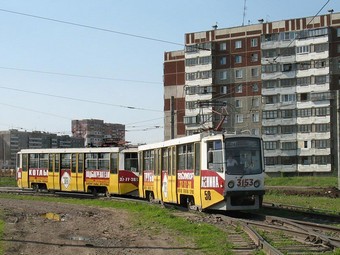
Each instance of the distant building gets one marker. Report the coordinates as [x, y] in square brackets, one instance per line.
[12, 141]
[279, 80]
[96, 133]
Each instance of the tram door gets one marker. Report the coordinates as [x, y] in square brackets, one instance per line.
[168, 176]
[24, 172]
[80, 173]
[55, 161]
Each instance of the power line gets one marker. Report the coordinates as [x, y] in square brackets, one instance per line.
[81, 100]
[76, 75]
[90, 27]
[31, 110]
[294, 39]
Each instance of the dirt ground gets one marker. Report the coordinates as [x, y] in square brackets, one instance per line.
[330, 192]
[35, 227]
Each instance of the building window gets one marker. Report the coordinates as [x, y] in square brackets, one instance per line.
[273, 99]
[288, 146]
[286, 114]
[320, 128]
[239, 88]
[270, 145]
[287, 68]
[224, 89]
[338, 32]
[321, 79]
[255, 102]
[239, 73]
[304, 112]
[223, 75]
[305, 128]
[303, 81]
[223, 46]
[239, 118]
[238, 103]
[322, 111]
[270, 84]
[271, 161]
[288, 129]
[255, 72]
[269, 114]
[288, 98]
[223, 60]
[302, 49]
[254, 57]
[270, 130]
[320, 144]
[238, 44]
[255, 87]
[255, 131]
[255, 117]
[253, 42]
[238, 59]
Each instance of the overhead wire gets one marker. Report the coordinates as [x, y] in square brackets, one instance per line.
[90, 27]
[77, 75]
[80, 100]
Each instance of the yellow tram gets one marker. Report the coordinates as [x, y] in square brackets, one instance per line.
[109, 170]
[194, 171]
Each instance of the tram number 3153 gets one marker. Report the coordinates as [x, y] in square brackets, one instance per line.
[245, 182]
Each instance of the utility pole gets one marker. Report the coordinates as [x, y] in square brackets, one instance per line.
[172, 120]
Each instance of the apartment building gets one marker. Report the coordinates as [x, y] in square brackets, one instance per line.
[96, 133]
[276, 79]
[13, 140]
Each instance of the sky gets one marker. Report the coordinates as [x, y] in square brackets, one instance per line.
[86, 59]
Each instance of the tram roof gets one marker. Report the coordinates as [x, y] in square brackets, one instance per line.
[79, 150]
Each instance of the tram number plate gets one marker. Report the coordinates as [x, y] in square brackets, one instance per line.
[245, 182]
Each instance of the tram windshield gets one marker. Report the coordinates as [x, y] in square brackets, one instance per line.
[243, 156]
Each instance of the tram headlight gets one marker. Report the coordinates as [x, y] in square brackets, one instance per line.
[231, 184]
[257, 183]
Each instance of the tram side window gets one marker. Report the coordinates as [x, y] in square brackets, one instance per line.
[165, 161]
[148, 160]
[114, 163]
[197, 158]
[74, 163]
[66, 161]
[103, 161]
[131, 161]
[34, 161]
[186, 157]
[215, 155]
[24, 162]
[43, 161]
[57, 163]
[50, 162]
[91, 161]
[80, 163]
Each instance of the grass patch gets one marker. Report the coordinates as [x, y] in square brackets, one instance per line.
[8, 182]
[307, 181]
[206, 238]
[2, 226]
[314, 203]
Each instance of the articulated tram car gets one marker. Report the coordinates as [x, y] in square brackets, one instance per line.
[218, 172]
[108, 170]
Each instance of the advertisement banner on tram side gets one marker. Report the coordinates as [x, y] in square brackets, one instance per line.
[38, 174]
[128, 177]
[212, 180]
[185, 181]
[97, 177]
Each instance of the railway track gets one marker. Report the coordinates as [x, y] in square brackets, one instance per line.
[273, 235]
